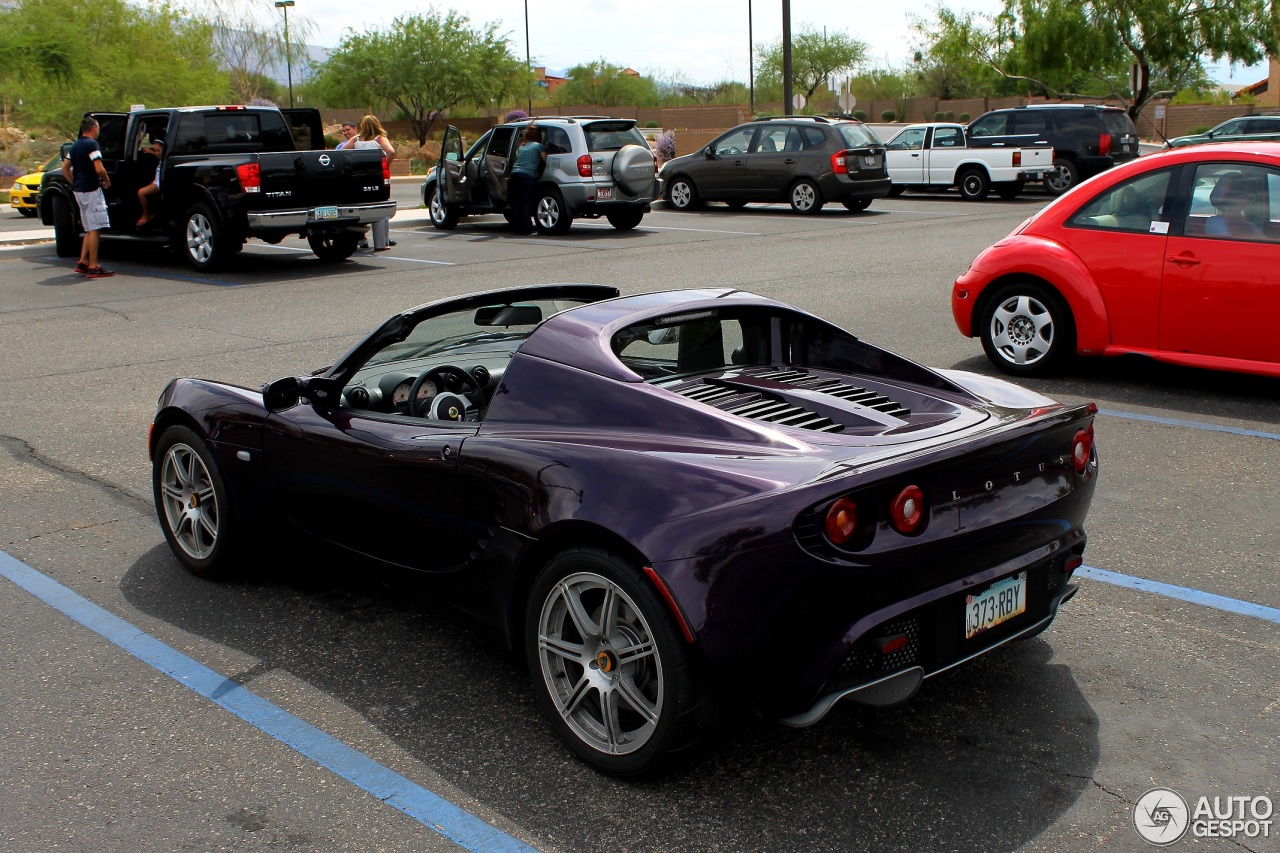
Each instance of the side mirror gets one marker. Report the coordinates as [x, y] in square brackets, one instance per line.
[709, 153]
[282, 394]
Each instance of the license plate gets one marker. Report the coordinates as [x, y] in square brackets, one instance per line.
[325, 213]
[871, 160]
[604, 194]
[998, 603]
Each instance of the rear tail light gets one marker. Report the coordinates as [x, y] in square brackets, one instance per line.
[838, 164]
[1017, 158]
[1070, 564]
[1104, 144]
[906, 511]
[386, 170]
[841, 522]
[1082, 448]
[250, 175]
[584, 165]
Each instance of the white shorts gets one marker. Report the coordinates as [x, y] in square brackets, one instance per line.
[93, 210]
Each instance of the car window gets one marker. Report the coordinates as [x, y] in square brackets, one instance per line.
[995, 124]
[911, 139]
[556, 140]
[500, 141]
[1118, 121]
[610, 136]
[1228, 127]
[948, 137]
[857, 135]
[734, 142]
[1136, 205]
[672, 346]
[771, 139]
[478, 146]
[813, 137]
[1234, 201]
[1028, 121]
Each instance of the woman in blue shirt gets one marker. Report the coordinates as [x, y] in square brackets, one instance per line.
[524, 175]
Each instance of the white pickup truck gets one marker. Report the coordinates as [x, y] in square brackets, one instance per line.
[938, 155]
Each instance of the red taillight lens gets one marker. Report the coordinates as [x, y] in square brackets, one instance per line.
[584, 165]
[841, 521]
[1017, 158]
[906, 512]
[838, 164]
[1082, 448]
[250, 175]
[386, 170]
[1104, 145]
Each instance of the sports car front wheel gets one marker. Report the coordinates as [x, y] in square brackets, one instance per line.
[191, 501]
[610, 668]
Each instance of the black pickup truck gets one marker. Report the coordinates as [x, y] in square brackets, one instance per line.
[227, 174]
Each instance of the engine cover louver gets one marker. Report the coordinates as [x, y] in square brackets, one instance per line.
[738, 395]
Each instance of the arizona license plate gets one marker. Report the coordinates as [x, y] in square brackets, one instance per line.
[325, 213]
[604, 194]
[998, 603]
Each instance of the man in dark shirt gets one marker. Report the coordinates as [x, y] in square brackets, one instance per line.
[83, 169]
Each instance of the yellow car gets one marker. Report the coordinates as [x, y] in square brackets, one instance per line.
[24, 195]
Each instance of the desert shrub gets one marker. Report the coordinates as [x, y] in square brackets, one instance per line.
[666, 145]
[651, 124]
[888, 115]
[860, 115]
[965, 117]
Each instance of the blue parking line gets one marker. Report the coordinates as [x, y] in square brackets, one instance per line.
[1138, 416]
[429, 809]
[1182, 593]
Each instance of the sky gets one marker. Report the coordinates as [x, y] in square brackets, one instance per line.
[702, 42]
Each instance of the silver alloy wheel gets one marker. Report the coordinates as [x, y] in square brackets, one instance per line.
[1022, 329]
[548, 212]
[803, 196]
[437, 210]
[199, 237]
[681, 195]
[190, 502]
[600, 663]
[1060, 179]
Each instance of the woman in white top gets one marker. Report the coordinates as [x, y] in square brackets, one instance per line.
[372, 135]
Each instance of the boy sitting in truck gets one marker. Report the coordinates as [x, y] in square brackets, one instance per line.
[153, 188]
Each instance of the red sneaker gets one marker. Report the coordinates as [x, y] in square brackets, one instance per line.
[98, 272]
[82, 267]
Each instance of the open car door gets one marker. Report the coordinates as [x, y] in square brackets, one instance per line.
[451, 183]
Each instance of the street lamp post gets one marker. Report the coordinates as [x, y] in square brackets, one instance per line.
[528, 57]
[288, 53]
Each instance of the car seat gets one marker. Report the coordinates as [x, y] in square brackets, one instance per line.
[1129, 211]
[768, 144]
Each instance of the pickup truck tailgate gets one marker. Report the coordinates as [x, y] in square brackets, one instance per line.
[324, 178]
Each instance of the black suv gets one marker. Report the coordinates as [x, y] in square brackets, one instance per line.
[804, 160]
[1086, 138]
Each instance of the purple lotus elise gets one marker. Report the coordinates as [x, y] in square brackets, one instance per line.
[666, 501]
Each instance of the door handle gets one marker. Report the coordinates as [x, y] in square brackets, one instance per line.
[789, 161]
[915, 156]
[1190, 260]
[739, 162]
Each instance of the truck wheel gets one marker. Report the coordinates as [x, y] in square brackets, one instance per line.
[203, 243]
[66, 242]
[974, 184]
[443, 216]
[332, 248]
[549, 213]
[625, 220]
[1065, 175]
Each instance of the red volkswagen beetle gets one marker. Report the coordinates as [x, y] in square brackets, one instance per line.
[1175, 256]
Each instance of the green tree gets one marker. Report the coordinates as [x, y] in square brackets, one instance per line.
[422, 65]
[955, 54]
[65, 57]
[605, 85]
[816, 58]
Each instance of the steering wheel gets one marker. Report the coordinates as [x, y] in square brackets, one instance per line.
[454, 385]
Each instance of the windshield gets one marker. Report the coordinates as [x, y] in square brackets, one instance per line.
[490, 328]
[857, 135]
[612, 135]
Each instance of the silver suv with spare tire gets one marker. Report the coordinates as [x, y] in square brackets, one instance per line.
[596, 166]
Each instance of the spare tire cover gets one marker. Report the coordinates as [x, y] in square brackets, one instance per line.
[633, 169]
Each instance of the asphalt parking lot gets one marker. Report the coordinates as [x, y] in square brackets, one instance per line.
[315, 708]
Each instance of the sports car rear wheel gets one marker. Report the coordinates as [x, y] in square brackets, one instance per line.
[1027, 329]
[610, 668]
[191, 501]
